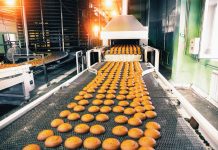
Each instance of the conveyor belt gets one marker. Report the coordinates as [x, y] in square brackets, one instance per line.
[176, 134]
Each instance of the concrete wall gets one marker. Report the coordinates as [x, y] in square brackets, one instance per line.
[188, 69]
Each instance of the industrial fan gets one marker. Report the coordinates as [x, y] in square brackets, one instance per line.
[14, 50]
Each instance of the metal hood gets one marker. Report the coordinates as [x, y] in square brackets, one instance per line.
[124, 27]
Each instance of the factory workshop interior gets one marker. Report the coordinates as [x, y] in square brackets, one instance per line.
[109, 74]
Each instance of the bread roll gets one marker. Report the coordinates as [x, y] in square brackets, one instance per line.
[147, 141]
[73, 142]
[111, 144]
[64, 127]
[129, 145]
[102, 117]
[44, 135]
[135, 133]
[53, 141]
[97, 129]
[153, 125]
[120, 130]
[92, 143]
[81, 128]
[56, 122]
[152, 133]
[32, 147]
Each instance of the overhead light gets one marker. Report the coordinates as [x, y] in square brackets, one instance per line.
[114, 13]
[108, 3]
[10, 2]
[96, 30]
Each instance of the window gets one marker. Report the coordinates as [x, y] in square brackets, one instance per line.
[209, 36]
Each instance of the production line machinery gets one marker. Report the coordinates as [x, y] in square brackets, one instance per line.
[22, 127]
[120, 67]
[14, 74]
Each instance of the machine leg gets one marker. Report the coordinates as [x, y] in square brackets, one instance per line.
[27, 85]
[45, 74]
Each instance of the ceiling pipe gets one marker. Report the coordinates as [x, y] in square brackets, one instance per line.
[124, 7]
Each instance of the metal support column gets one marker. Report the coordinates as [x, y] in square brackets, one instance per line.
[62, 27]
[25, 28]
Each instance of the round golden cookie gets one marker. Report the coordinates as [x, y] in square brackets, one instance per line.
[44, 134]
[153, 125]
[140, 115]
[138, 95]
[120, 130]
[32, 147]
[134, 121]
[97, 102]
[145, 93]
[113, 88]
[53, 141]
[123, 87]
[149, 107]
[92, 143]
[56, 122]
[121, 97]
[81, 93]
[97, 129]
[121, 119]
[79, 108]
[78, 97]
[100, 96]
[129, 111]
[140, 109]
[145, 148]
[108, 102]
[111, 92]
[90, 90]
[64, 113]
[71, 105]
[105, 109]
[129, 97]
[150, 114]
[73, 116]
[93, 109]
[129, 145]
[123, 103]
[73, 142]
[146, 102]
[81, 128]
[152, 133]
[102, 117]
[135, 133]
[111, 144]
[123, 92]
[118, 109]
[104, 88]
[64, 127]
[83, 102]
[87, 118]
[135, 104]
[110, 96]
[87, 96]
[139, 100]
[146, 98]
[147, 141]
[101, 91]
[85, 88]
